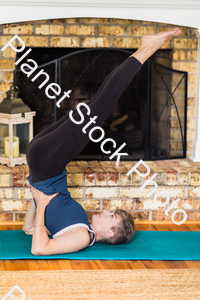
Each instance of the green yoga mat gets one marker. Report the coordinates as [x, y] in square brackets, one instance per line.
[148, 245]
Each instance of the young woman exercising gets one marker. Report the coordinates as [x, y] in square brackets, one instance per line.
[52, 149]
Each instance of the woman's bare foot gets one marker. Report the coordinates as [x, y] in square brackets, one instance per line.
[150, 43]
[159, 39]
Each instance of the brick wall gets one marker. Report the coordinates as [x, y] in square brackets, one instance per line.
[102, 185]
[102, 32]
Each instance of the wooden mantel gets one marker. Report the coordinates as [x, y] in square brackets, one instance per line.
[177, 12]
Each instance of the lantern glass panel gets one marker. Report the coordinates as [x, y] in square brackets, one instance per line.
[22, 132]
[4, 132]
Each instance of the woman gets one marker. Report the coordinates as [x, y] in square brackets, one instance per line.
[52, 149]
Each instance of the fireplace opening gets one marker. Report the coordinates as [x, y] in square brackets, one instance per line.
[149, 116]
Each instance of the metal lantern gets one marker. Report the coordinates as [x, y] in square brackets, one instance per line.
[16, 128]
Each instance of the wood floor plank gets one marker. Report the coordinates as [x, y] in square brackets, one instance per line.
[126, 264]
[38, 264]
[80, 264]
[10, 265]
[161, 227]
[154, 227]
[94, 265]
[150, 264]
[159, 264]
[2, 265]
[117, 264]
[98, 264]
[177, 228]
[53, 264]
[197, 262]
[194, 227]
[20, 264]
[176, 264]
[64, 264]
[110, 264]
[144, 227]
[139, 227]
[182, 228]
[192, 264]
[137, 264]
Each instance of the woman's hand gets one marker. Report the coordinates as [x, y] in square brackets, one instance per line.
[40, 198]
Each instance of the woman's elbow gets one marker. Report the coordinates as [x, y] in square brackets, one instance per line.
[25, 231]
[35, 252]
[29, 231]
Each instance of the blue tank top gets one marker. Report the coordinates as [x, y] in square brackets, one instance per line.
[63, 212]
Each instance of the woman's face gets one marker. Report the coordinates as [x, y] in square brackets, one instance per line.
[103, 222]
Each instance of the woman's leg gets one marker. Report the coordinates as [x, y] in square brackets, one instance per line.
[50, 153]
[66, 117]
[142, 54]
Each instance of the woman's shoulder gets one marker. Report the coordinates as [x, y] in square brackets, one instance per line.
[80, 231]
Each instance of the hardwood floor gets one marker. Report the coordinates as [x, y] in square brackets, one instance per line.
[62, 264]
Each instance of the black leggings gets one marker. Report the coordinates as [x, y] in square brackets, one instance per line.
[53, 148]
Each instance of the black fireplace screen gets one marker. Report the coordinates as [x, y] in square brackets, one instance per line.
[149, 116]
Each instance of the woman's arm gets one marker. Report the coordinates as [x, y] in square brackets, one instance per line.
[40, 236]
[68, 242]
[29, 218]
[72, 241]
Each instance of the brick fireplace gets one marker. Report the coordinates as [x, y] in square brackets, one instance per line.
[103, 185]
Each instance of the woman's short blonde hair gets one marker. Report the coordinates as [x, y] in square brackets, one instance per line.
[124, 231]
